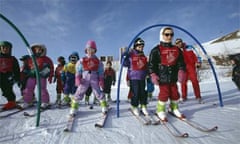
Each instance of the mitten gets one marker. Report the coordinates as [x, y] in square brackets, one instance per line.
[50, 79]
[78, 78]
[181, 76]
[155, 79]
[101, 83]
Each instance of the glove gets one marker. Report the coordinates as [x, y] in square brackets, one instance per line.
[50, 79]
[101, 83]
[181, 76]
[155, 79]
[78, 79]
[198, 65]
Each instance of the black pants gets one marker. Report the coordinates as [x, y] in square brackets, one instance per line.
[7, 89]
[139, 93]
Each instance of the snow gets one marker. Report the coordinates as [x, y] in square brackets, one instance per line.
[126, 129]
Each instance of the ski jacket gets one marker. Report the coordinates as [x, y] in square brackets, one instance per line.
[136, 62]
[190, 57]
[165, 60]
[9, 68]
[91, 65]
[45, 66]
[110, 75]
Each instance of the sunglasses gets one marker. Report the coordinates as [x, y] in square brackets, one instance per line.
[168, 34]
[73, 58]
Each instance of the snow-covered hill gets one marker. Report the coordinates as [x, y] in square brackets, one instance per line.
[225, 45]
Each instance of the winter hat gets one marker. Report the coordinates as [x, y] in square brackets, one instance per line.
[6, 43]
[178, 40]
[74, 54]
[138, 42]
[61, 60]
[42, 46]
[91, 44]
[161, 33]
[25, 57]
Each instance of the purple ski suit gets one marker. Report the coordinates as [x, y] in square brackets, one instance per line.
[89, 72]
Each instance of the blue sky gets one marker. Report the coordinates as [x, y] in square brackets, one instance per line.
[64, 26]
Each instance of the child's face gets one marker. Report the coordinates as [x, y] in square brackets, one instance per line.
[90, 51]
[139, 47]
[5, 49]
[108, 65]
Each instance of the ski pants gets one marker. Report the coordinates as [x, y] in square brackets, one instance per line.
[191, 74]
[168, 91]
[89, 79]
[139, 93]
[28, 92]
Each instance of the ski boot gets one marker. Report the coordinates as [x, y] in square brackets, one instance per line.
[175, 110]
[66, 100]
[135, 111]
[104, 107]
[161, 108]
[144, 110]
[74, 107]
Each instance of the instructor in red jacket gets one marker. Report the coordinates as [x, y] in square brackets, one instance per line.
[191, 62]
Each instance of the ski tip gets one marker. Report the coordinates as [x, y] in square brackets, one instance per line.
[66, 130]
[215, 128]
[185, 135]
[98, 126]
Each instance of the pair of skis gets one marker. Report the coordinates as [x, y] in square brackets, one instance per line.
[155, 120]
[99, 124]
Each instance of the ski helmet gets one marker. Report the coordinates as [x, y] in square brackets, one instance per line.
[138, 42]
[42, 47]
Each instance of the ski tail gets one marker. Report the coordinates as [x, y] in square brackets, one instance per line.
[195, 124]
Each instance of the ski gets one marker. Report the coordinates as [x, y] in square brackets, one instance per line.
[16, 110]
[143, 119]
[195, 125]
[102, 120]
[172, 129]
[69, 125]
[27, 114]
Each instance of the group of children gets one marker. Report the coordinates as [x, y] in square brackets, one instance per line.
[72, 78]
[167, 64]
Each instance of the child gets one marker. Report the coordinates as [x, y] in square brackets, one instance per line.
[46, 70]
[68, 78]
[89, 72]
[165, 60]
[150, 88]
[9, 74]
[109, 80]
[236, 70]
[57, 78]
[24, 71]
[136, 62]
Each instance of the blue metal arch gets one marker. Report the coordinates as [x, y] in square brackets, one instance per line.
[177, 27]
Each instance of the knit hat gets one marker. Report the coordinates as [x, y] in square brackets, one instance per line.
[138, 42]
[91, 44]
[6, 43]
[161, 33]
[24, 57]
[42, 46]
